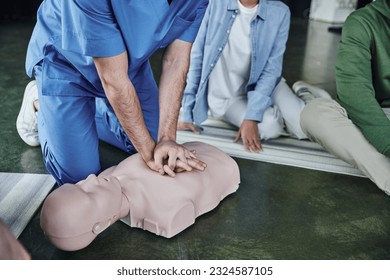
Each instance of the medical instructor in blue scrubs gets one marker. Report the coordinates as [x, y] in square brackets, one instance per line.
[94, 81]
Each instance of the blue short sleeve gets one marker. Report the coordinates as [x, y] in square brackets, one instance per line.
[90, 28]
[190, 34]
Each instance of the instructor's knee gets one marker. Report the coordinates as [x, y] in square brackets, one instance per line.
[67, 170]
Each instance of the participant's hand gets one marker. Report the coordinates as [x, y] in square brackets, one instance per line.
[249, 133]
[170, 157]
[10, 248]
[187, 126]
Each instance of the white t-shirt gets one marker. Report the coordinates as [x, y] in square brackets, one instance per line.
[231, 73]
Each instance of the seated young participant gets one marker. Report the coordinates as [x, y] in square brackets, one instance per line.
[357, 127]
[74, 214]
[235, 72]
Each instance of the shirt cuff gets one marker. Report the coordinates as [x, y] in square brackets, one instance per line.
[186, 116]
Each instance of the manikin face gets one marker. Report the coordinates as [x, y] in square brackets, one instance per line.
[93, 193]
[96, 184]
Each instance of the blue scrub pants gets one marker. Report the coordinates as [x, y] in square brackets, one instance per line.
[70, 127]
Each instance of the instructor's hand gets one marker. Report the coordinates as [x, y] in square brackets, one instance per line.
[170, 157]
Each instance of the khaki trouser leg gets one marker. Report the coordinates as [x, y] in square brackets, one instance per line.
[326, 122]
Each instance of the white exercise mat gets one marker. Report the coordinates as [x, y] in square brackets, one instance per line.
[21, 195]
[284, 150]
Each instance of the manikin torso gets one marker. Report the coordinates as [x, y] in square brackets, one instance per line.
[73, 215]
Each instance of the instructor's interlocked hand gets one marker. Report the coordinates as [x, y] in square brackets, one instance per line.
[171, 158]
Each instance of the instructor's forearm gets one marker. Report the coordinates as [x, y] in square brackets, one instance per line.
[128, 110]
[172, 82]
[120, 92]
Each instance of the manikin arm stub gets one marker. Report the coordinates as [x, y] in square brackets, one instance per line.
[73, 215]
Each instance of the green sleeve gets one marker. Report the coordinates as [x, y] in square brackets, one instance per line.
[355, 89]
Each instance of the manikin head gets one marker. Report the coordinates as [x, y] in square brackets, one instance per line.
[74, 214]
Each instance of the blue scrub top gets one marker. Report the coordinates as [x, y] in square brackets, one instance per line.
[68, 34]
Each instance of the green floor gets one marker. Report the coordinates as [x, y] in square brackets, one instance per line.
[279, 212]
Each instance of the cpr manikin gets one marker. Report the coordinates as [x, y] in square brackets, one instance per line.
[74, 214]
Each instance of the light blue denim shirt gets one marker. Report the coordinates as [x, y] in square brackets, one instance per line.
[269, 33]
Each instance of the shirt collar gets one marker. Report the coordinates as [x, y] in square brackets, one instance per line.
[261, 11]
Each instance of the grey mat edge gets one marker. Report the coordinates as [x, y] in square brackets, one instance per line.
[17, 219]
[284, 150]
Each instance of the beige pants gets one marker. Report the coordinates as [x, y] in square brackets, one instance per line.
[327, 123]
